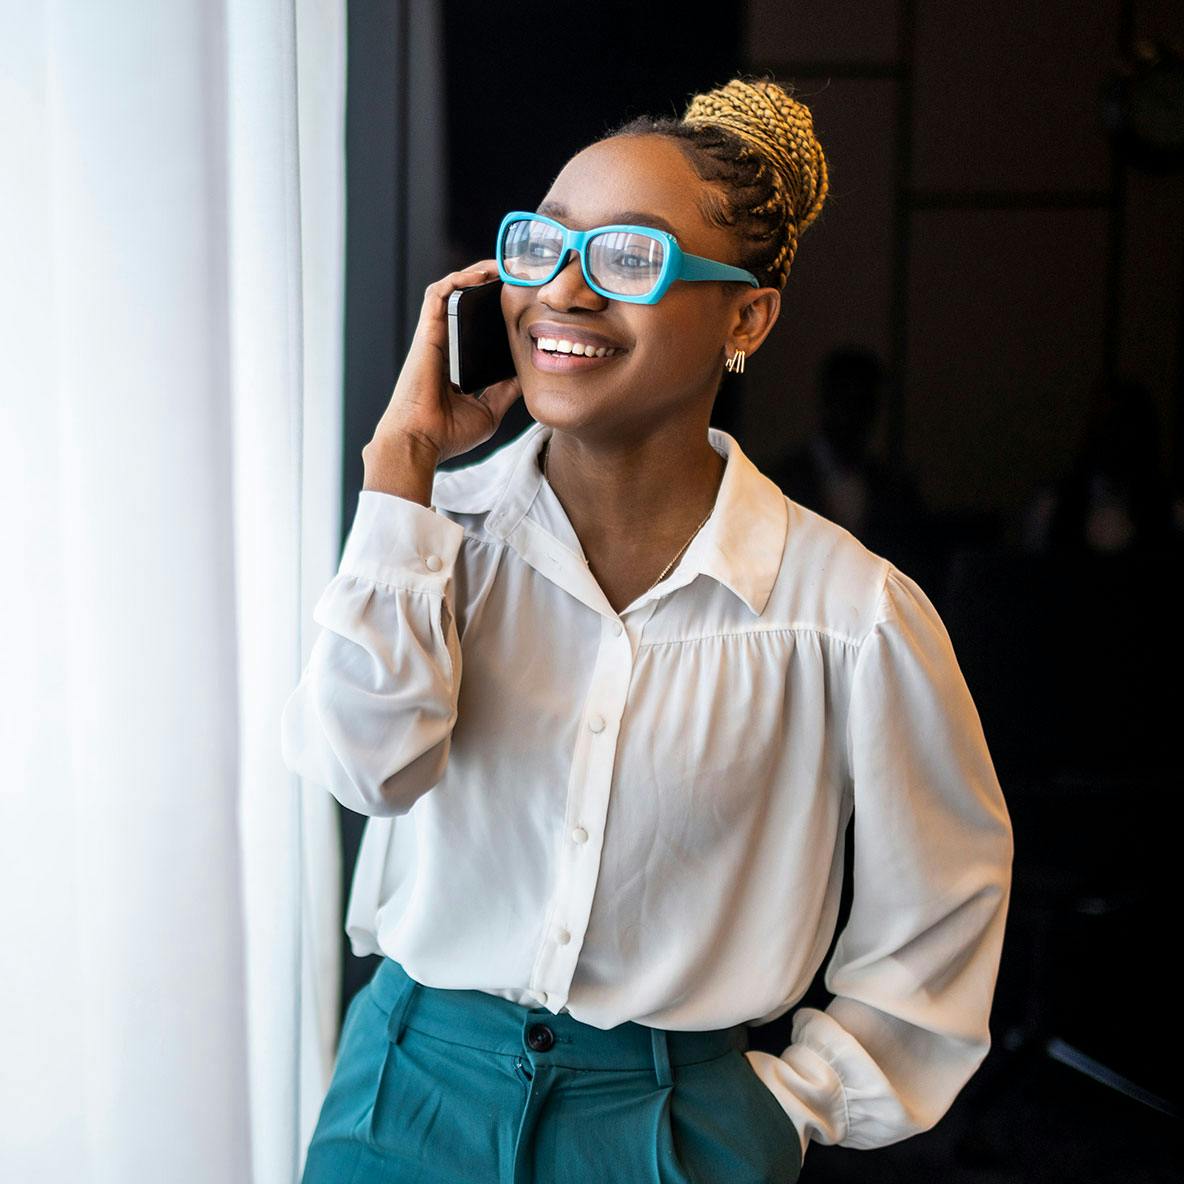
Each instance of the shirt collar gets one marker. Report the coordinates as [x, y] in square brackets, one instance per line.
[741, 545]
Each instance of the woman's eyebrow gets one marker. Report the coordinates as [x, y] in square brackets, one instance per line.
[556, 209]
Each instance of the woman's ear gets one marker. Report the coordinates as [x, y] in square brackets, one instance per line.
[755, 318]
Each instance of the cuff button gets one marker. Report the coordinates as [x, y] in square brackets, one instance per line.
[434, 562]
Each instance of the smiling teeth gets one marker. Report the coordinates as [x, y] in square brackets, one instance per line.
[563, 346]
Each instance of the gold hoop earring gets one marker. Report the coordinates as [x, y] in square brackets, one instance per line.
[736, 362]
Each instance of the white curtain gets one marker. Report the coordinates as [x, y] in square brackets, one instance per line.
[171, 255]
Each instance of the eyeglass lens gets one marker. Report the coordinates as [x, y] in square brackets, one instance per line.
[625, 262]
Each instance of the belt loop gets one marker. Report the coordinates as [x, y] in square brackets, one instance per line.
[661, 1058]
[398, 1016]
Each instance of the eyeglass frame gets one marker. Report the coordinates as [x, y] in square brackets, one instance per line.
[677, 264]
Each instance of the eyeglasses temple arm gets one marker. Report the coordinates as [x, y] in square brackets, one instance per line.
[695, 267]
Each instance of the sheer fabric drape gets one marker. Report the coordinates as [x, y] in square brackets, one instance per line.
[171, 231]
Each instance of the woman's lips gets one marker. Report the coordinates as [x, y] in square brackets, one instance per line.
[561, 363]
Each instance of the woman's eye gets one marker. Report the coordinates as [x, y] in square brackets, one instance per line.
[631, 262]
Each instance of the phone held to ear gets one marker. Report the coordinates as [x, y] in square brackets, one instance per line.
[478, 345]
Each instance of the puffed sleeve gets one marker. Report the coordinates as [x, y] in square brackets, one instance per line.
[914, 970]
[371, 719]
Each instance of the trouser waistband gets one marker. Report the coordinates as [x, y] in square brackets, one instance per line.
[495, 1024]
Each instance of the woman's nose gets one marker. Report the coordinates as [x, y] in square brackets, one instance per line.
[568, 286]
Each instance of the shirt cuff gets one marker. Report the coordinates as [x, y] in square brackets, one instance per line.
[399, 542]
[808, 1088]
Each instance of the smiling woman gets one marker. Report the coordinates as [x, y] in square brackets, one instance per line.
[696, 225]
[611, 699]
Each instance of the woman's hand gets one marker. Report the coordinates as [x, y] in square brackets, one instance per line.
[425, 405]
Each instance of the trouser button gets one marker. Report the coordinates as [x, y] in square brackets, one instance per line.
[540, 1037]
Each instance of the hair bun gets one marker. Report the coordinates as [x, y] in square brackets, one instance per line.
[765, 115]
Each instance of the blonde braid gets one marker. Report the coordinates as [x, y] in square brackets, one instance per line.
[779, 131]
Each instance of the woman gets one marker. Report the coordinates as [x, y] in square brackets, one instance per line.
[610, 698]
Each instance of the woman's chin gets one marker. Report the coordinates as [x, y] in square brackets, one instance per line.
[554, 405]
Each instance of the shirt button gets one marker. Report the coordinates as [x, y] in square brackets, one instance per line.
[563, 937]
[596, 723]
[434, 562]
[579, 835]
[618, 628]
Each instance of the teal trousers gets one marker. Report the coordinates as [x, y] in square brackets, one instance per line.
[437, 1086]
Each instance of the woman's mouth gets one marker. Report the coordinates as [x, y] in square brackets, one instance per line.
[561, 362]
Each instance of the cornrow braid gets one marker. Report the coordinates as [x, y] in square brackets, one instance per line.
[755, 144]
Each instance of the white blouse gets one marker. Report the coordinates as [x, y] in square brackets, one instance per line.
[640, 816]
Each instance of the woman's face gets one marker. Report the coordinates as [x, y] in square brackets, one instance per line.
[675, 348]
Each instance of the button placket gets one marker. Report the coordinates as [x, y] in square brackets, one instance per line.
[588, 796]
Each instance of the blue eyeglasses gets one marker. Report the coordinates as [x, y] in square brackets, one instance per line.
[632, 263]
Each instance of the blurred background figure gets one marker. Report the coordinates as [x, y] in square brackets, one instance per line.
[1112, 499]
[835, 473]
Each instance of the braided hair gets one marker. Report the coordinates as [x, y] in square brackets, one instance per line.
[755, 144]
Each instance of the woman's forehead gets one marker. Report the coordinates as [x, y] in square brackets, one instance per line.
[557, 209]
[643, 179]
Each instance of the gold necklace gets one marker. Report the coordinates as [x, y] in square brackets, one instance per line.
[547, 457]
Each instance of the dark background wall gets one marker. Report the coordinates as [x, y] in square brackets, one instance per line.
[979, 234]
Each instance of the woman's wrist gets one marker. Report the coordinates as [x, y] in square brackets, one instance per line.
[402, 465]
